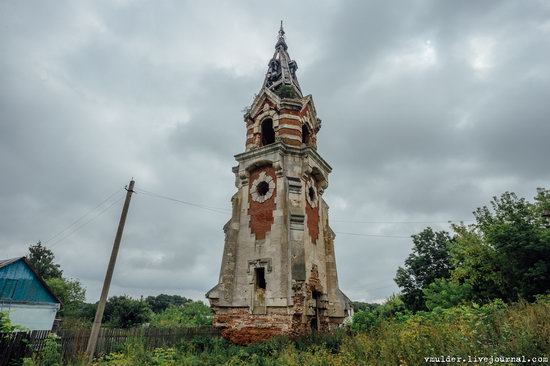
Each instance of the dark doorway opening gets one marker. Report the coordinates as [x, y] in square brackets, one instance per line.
[260, 278]
[259, 306]
[268, 133]
[314, 323]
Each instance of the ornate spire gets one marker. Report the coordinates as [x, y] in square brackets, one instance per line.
[281, 70]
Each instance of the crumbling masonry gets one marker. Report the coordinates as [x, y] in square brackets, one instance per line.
[278, 272]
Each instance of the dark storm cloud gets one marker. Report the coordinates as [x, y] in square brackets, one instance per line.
[429, 108]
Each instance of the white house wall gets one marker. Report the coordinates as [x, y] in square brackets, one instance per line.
[31, 316]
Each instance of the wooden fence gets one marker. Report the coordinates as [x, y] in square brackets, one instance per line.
[16, 345]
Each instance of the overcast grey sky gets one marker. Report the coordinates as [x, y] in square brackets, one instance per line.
[429, 109]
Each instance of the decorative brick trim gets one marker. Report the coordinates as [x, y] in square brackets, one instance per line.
[261, 213]
[291, 137]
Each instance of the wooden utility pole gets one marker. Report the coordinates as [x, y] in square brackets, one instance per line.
[92, 342]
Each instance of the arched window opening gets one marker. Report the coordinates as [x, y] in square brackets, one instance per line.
[305, 134]
[268, 134]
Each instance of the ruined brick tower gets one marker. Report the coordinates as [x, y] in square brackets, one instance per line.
[278, 272]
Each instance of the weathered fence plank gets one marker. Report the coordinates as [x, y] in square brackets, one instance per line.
[16, 345]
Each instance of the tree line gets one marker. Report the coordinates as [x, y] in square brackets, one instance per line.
[120, 311]
[503, 256]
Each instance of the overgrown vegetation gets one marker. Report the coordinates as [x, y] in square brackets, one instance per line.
[286, 91]
[192, 314]
[50, 355]
[402, 339]
[5, 323]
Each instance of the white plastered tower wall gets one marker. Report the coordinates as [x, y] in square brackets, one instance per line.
[278, 272]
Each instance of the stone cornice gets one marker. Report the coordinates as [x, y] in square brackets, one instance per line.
[287, 150]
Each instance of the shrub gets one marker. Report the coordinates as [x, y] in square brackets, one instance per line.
[402, 339]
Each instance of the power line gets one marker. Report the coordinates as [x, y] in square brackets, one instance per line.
[83, 216]
[209, 208]
[225, 211]
[87, 222]
[400, 222]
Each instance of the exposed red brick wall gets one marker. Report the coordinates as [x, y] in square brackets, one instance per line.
[312, 214]
[261, 214]
[290, 111]
[241, 327]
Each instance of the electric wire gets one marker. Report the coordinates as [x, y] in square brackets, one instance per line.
[204, 207]
[83, 216]
[86, 222]
[400, 222]
[226, 212]
[374, 235]
[78, 224]
[223, 210]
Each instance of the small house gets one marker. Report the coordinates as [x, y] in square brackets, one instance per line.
[25, 296]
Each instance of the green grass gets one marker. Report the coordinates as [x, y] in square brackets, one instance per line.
[495, 329]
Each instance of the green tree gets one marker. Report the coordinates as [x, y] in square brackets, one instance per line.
[42, 260]
[443, 293]
[476, 265]
[506, 253]
[70, 292]
[161, 302]
[192, 314]
[363, 306]
[394, 306]
[125, 312]
[429, 261]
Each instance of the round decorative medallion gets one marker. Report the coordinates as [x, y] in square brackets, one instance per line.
[311, 193]
[262, 188]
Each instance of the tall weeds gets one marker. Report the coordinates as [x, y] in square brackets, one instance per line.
[495, 329]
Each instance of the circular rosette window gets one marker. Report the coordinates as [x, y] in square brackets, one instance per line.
[311, 193]
[262, 188]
